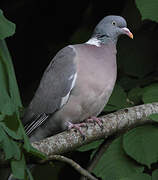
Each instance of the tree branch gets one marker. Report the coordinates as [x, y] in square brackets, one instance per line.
[72, 163]
[112, 123]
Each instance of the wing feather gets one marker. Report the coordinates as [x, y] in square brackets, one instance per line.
[55, 86]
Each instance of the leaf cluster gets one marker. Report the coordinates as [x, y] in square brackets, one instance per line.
[13, 140]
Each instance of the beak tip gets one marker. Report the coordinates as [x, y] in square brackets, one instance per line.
[131, 35]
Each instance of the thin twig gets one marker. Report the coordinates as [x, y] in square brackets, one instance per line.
[76, 166]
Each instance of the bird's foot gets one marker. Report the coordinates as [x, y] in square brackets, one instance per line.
[77, 127]
[94, 119]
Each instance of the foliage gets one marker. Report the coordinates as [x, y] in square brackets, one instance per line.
[150, 94]
[138, 177]
[7, 27]
[153, 117]
[91, 146]
[115, 164]
[127, 156]
[155, 175]
[12, 133]
[139, 141]
[148, 9]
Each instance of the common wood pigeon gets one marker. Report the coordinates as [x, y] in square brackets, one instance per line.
[77, 83]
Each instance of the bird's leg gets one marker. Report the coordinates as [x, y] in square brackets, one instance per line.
[77, 127]
[94, 119]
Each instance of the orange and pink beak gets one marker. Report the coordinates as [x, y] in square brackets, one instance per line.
[127, 32]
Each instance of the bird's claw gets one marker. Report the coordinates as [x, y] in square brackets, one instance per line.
[78, 127]
[96, 120]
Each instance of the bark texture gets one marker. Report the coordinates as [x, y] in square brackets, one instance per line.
[115, 122]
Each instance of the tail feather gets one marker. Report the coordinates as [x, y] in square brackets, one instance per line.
[37, 121]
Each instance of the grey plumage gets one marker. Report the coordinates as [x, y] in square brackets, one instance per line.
[55, 87]
[77, 83]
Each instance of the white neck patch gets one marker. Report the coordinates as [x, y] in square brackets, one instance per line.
[94, 41]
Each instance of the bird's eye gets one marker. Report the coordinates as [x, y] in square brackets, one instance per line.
[114, 23]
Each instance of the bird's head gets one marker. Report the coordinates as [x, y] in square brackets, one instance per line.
[110, 28]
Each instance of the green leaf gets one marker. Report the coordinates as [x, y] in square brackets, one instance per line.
[9, 119]
[137, 176]
[37, 153]
[12, 129]
[9, 80]
[155, 175]
[11, 149]
[29, 175]
[10, 98]
[5, 144]
[4, 86]
[2, 116]
[91, 146]
[18, 168]
[118, 99]
[7, 28]
[115, 164]
[141, 144]
[27, 145]
[8, 108]
[153, 117]
[150, 94]
[148, 9]
[16, 150]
